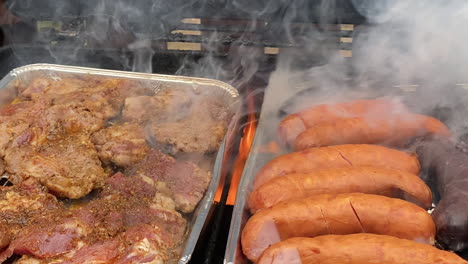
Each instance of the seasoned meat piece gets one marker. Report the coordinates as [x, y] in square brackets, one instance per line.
[5, 236]
[47, 85]
[90, 91]
[55, 114]
[190, 135]
[116, 90]
[185, 181]
[140, 244]
[20, 206]
[12, 109]
[50, 237]
[202, 131]
[129, 201]
[2, 167]
[84, 110]
[69, 166]
[165, 105]
[123, 145]
[113, 228]
[95, 103]
[188, 183]
[58, 120]
[16, 118]
[146, 244]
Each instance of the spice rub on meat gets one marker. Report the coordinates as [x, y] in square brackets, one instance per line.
[140, 244]
[65, 137]
[179, 121]
[164, 105]
[68, 166]
[184, 181]
[126, 223]
[2, 167]
[20, 206]
[122, 144]
[114, 91]
[16, 118]
[201, 131]
[100, 99]
[47, 138]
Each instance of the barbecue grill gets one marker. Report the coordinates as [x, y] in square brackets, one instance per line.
[235, 41]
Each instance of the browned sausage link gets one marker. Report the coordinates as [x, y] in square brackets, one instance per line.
[356, 249]
[365, 179]
[313, 159]
[392, 131]
[336, 214]
[291, 126]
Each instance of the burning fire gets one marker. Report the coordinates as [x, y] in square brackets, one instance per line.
[244, 150]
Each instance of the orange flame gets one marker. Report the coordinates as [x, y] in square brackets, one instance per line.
[244, 150]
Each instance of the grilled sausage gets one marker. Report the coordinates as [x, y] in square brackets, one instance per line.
[355, 249]
[450, 173]
[334, 157]
[395, 130]
[292, 125]
[372, 180]
[336, 214]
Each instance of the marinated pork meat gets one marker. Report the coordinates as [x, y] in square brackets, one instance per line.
[2, 167]
[95, 103]
[46, 85]
[5, 236]
[102, 98]
[117, 90]
[124, 224]
[68, 166]
[185, 181]
[201, 131]
[20, 206]
[122, 145]
[105, 99]
[64, 137]
[190, 135]
[137, 245]
[16, 118]
[137, 201]
[114, 90]
[58, 120]
[165, 105]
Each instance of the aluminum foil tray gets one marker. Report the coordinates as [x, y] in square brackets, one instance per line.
[225, 93]
[452, 109]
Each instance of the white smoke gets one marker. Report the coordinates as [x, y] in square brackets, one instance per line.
[407, 45]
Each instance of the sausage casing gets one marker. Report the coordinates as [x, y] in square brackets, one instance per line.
[292, 125]
[336, 214]
[396, 130]
[355, 249]
[366, 179]
[350, 155]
